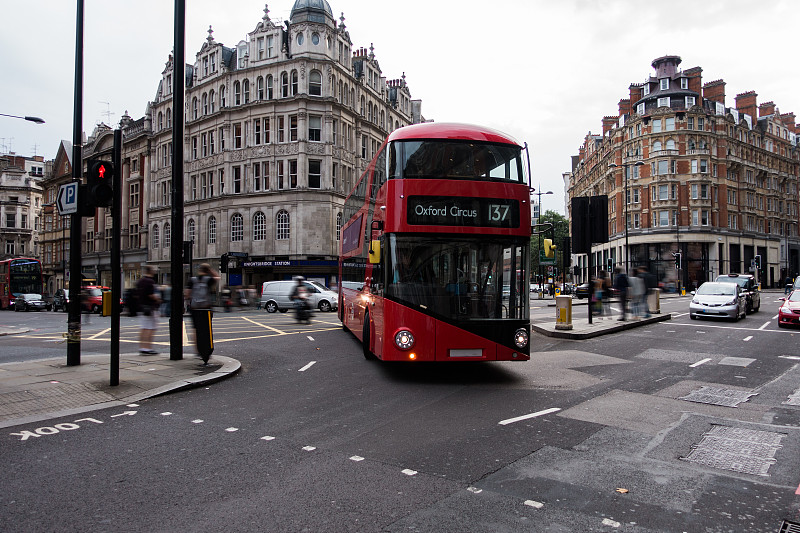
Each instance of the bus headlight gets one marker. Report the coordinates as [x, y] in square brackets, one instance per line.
[404, 339]
[521, 338]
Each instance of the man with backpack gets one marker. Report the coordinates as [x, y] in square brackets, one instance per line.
[199, 293]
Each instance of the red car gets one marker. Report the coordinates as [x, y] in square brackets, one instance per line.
[789, 313]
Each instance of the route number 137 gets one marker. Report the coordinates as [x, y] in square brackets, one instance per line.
[498, 213]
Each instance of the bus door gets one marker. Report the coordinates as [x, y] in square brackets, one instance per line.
[376, 285]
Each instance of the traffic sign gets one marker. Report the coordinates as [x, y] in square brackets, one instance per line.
[67, 199]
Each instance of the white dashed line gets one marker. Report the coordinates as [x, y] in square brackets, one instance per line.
[132, 405]
[747, 338]
[700, 362]
[231, 430]
[474, 490]
[534, 504]
[310, 337]
[167, 413]
[792, 357]
[309, 448]
[776, 316]
[531, 415]
[356, 458]
[309, 365]
[609, 522]
[268, 437]
[198, 421]
[409, 472]
[764, 326]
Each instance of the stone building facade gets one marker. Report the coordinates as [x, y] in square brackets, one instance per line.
[277, 131]
[689, 174]
[20, 205]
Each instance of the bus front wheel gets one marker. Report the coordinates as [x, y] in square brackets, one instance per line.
[366, 338]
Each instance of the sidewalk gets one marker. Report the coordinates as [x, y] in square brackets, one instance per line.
[47, 388]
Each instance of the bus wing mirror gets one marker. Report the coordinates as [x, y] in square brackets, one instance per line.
[375, 252]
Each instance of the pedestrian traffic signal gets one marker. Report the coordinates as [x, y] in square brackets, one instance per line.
[549, 248]
[610, 264]
[99, 183]
[757, 262]
[677, 256]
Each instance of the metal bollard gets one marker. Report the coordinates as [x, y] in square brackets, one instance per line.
[654, 302]
[563, 312]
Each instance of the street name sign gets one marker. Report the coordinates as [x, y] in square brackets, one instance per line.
[67, 200]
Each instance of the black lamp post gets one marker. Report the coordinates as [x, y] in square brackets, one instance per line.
[626, 166]
[541, 276]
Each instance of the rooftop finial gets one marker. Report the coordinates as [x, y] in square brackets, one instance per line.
[371, 51]
[266, 14]
[210, 34]
[341, 19]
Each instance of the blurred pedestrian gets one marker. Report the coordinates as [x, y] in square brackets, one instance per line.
[226, 299]
[199, 293]
[637, 290]
[621, 286]
[651, 284]
[788, 285]
[166, 300]
[148, 307]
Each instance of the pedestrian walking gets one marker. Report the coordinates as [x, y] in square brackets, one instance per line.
[149, 302]
[621, 286]
[788, 284]
[199, 293]
[651, 284]
[637, 292]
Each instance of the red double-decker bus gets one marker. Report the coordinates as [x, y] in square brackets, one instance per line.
[19, 276]
[435, 251]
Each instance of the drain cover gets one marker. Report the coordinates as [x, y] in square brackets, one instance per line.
[789, 527]
[719, 396]
[736, 449]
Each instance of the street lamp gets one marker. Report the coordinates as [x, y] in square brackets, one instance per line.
[37, 120]
[626, 166]
[541, 277]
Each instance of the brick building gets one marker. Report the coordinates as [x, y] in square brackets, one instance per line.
[689, 174]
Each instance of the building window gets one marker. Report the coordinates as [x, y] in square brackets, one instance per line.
[222, 97]
[294, 83]
[314, 174]
[293, 174]
[134, 194]
[259, 227]
[663, 101]
[270, 46]
[237, 93]
[190, 230]
[315, 83]
[282, 227]
[246, 91]
[205, 104]
[640, 109]
[656, 126]
[664, 84]
[194, 108]
[314, 128]
[663, 218]
[338, 225]
[237, 135]
[167, 235]
[269, 88]
[260, 88]
[155, 236]
[292, 127]
[267, 139]
[212, 230]
[280, 175]
[284, 85]
[237, 180]
[690, 100]
[237, 228]
[669, 124]
[211, 100]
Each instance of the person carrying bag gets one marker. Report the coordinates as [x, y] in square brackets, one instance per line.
[199, 292]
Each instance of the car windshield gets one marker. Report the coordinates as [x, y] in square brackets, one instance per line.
[95, 292]
[739, 280]
[32, 297]
[794, 297]
[319, 286]
[716, 289]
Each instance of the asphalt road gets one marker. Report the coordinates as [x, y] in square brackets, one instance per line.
[587, 436]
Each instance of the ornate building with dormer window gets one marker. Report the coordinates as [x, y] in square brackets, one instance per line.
[686, 173]
[278, 129]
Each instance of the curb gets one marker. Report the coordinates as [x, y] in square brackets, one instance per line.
[572, 335]
[12, 331]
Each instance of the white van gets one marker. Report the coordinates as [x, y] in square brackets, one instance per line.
[275, 296]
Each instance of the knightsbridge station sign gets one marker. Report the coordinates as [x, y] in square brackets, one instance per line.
[463, 211]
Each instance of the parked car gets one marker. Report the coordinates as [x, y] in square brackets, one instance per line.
[61, 300]
[748, 284]
[30, 302]
[583, 290]
[789, 313]
[275, 296]
[720, 300]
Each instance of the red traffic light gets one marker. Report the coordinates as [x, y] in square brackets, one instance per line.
[101, 171]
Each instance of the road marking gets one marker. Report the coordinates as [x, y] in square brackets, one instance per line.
[198, 421]
[764, 326]
[474, 490]
[531, 415]
[609, 522]
[409, 472]
[185, 334]
[268, 437]
[309, 337]
[264, 326]
[356, 458]
[700, 362]
[676, 315]
[535, 504]
[126, 413]
[776, 316]
[792, 357]
[309, 365]
[167, 413]
[732, 327]
[309, 448]
[93, 337]
[747, 338]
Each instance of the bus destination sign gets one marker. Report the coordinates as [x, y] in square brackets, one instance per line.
[463, 211]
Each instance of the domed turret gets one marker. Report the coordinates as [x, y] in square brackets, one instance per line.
[311, 11]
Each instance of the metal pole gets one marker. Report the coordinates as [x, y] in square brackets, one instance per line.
[176, 269]
[116, 254]
[627, 254]
[74, 314]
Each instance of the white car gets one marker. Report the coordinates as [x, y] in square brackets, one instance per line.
[720, 300]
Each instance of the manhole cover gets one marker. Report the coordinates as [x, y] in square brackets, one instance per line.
[738, 450]
[719, 396]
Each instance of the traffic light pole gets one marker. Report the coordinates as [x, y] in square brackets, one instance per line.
[74, 307]
[116, 254]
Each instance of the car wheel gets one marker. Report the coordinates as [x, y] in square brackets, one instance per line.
[271, 307]
[284, 310]
[366, 338]
[325, 306]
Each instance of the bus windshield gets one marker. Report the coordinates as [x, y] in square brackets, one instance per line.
[455, 159]
[460, 278]
[25, 276]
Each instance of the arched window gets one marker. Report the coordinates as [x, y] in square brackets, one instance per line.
[284, 85]
[369, 111]
[353, 97]
[155, 236]
[383, 118]
[259, 88]
[363, 103]
[194, 107]
[315, 83]
[691, 144]
[237, 93]
[190, 230]
[338, 225]
[282, 227]
[237, 228]
[205, 104]
[333, 87]
[259, 227]
[657, 146]
[167, 235]
[670, 144]
[222, 97]
[169, 118]
[344, 94]
[294, 82]
[246, 91]
[212, 230]
[160, 120]
[211, 97]
[270, 96]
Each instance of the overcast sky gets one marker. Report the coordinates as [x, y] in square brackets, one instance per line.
[544, 71]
